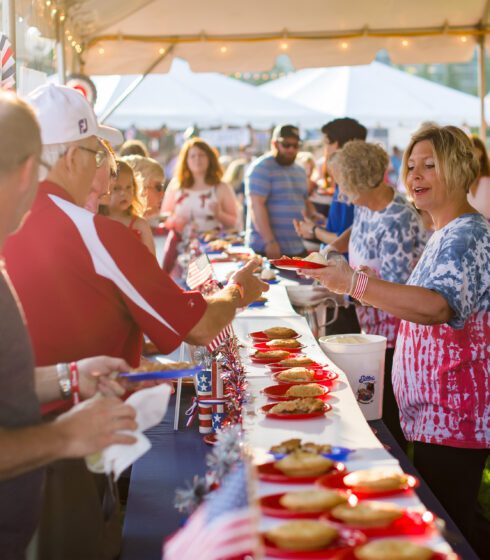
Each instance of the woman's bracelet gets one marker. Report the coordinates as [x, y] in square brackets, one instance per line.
[359, 284]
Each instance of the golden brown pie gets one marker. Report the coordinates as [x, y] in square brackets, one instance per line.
[302, 535]
[280, 332]
[284, 343]
[295, 444]
[296, 361]
[376, 480]
[298, 406]
[393, 549]
[296, 374]
[312, 500]
[367, 514]
[271, 354]
[299, 463]
[306, 390]
[287, 446]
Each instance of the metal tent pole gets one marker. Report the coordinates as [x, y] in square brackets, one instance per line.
[482, 85]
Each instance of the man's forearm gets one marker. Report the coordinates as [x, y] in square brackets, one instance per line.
[46, 384]
[260, 218]
[341, 243]
[220, 312]
[24, 449]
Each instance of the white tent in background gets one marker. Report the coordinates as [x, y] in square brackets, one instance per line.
[182, 98]
[376, 95]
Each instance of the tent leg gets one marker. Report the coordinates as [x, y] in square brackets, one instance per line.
[482, 86]
[124, 95]
[60, 50]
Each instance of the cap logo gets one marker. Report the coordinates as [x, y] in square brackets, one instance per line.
[83, 126]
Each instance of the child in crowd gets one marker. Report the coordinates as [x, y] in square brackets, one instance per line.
[125, 204]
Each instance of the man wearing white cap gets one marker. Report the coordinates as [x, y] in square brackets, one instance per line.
[88, 287]
[27, 444]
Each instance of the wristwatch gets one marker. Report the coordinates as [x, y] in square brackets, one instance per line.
[64, 380]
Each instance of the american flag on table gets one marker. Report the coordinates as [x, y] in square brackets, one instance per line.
[7, 74]
[224, 526]
[199, 272]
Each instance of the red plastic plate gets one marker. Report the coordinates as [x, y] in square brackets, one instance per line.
[306, 416]
[436, 556]
[277, 392]
[265, 360]
[264, 346]
[260, 335]
[291, 264]
[337, 482]
[271, 506]
[269, 473]
[348, 539]
[210, 439]
[410, 523]
[321, 376]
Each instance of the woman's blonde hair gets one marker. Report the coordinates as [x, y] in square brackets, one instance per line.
[455, 159]
[214, 172]
[138, 206]
[145, 167]
[359, 167]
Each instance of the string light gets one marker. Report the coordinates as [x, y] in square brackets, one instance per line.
[463, 39]
[224, 49]
[62, 17]
[404, 43]
[73, 43]
[48, 3]
[161, 50]
[284, 46]
[101, 50]
[344, 45]
[70, 37]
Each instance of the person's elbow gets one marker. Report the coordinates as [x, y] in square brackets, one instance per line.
[438, 313]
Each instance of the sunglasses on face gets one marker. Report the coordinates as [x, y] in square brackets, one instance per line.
[289, 145]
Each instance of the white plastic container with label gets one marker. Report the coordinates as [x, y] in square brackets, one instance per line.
[362, 358]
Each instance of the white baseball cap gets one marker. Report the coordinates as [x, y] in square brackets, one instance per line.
[65, 115]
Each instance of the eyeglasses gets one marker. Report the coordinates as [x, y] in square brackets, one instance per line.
[288, 145]
[100, 155]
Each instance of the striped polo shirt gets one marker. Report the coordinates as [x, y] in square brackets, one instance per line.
[285, 188]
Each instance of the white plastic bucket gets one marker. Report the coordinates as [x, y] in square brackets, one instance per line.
[364, 365]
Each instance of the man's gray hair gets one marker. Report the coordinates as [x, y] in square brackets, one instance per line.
[51, 153]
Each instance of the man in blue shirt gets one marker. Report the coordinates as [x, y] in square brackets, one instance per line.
[276, 190]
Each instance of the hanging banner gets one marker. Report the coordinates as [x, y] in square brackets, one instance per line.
[7, 63]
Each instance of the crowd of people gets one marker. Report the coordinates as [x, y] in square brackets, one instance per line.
[81, 284]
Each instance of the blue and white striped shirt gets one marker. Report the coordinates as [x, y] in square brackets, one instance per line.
[285, 189]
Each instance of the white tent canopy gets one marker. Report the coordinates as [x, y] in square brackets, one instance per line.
[182, 98]
[129, 36]
[376, 95]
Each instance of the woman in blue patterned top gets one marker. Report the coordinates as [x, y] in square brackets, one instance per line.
[441, 367]
[387, 235]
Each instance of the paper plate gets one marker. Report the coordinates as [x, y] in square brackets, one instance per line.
[305, 416]
[278, 393]
[163, 374]
[337, 482]
[292, 264]
[269, 473]
[348, 539]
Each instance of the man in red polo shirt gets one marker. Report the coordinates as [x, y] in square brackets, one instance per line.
[88, 287]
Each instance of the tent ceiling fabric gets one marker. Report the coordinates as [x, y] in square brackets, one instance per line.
[230, 36]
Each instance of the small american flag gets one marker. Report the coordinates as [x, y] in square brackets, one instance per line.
[224, 526]
[7, 62]
[199, 272]
[227, 332]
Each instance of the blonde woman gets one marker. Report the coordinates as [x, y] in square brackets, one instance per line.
[152, 177]
[197, 195]
[441, 363]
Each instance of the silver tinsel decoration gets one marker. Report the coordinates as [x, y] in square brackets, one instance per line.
[187, 500]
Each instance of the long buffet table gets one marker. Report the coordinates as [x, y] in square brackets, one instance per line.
[177, 456]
